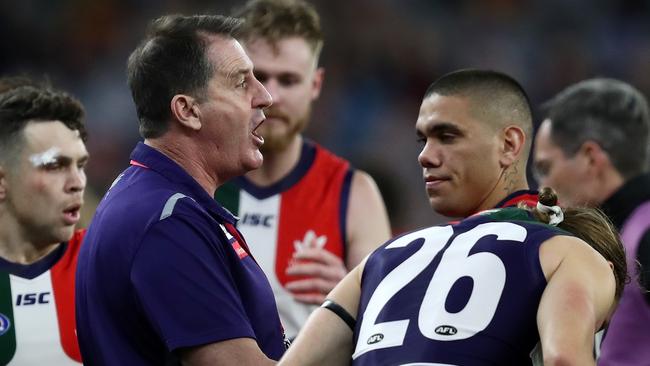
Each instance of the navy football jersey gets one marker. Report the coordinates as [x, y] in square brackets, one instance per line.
[462, 294]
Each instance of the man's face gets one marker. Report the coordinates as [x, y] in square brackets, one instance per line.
[459, 158]
[44, 187]
[231, 109]
[568, 176]
[290, 75]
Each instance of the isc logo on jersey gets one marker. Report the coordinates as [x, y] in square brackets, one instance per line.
[253, 219]
[32, 299]
[5, 324]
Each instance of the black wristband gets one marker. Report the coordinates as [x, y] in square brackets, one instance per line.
[342, 313]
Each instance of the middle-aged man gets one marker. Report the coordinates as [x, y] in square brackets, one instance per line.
[42, 181]
[308, 216]
[164, 277]
[593, 149]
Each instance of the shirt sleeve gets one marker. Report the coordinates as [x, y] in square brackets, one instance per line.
[643, 256]
[182, 280]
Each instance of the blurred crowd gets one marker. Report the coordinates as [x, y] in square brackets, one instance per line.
[379, 56]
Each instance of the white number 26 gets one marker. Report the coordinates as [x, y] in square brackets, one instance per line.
[434, 321]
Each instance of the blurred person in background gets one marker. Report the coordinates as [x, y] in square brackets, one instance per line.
[164, 277]
[42, 180]
[592, 148]
[308, 215]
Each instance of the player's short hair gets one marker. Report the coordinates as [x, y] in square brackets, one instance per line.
[26, 102]
[274, 20]
[495, 98]
[609, 112]
[172, 60]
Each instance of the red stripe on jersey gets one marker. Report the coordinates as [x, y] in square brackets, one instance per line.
[63, 281]
[529, 199]
[312, 205]
[239, 250]
[239, 244]
[136, 163]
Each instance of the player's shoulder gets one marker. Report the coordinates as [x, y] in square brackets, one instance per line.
[325, 155]
[77, 237]
[572, 251]
[568, 246]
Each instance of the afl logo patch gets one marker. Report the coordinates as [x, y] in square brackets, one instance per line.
[375, 338]
[447, 330]
[5, 324]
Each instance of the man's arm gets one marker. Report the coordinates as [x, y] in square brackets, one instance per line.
[578, 299]
[326, 339]
[187, 294]
[367, 228]
[367, 221]
[239, 351]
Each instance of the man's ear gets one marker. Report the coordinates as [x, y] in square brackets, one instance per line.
[598, 167]
[514, 141]
[317, 83]
[186, 111]
[595, 156]
[3, 184]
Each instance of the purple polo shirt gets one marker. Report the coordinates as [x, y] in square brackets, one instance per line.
[162, 268]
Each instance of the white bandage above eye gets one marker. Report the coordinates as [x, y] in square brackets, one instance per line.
[44, 158]
[555, 213]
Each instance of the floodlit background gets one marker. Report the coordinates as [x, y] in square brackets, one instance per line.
[379, 55]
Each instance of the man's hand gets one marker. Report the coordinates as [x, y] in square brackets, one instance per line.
[323, 269]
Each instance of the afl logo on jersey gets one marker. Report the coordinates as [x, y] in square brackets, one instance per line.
[375, 338]
[447, 330]
[5, 324]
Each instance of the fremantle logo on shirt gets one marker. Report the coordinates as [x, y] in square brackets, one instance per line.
[5, 324]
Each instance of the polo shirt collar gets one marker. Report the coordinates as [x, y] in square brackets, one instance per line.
[627, 198]
[146, 157]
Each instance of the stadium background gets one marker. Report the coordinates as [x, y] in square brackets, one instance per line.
[379, 55]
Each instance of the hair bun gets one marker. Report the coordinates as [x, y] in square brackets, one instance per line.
[547, 196]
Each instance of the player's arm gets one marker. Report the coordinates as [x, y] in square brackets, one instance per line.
[367, 228]
[578, 298]
[239, 351]
[367, 221]
[326, 339]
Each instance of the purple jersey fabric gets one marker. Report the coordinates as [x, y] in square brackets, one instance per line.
[463, 294]
[159, 272]
[627, 340]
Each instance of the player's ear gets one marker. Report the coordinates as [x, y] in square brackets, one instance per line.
[186, 111]
[317, 83]
[3, 184]
[513, 144]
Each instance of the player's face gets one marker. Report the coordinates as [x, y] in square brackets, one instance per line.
[459, 157]
[231, 110]
[44, 187]
[567, 175]
[289, 73]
